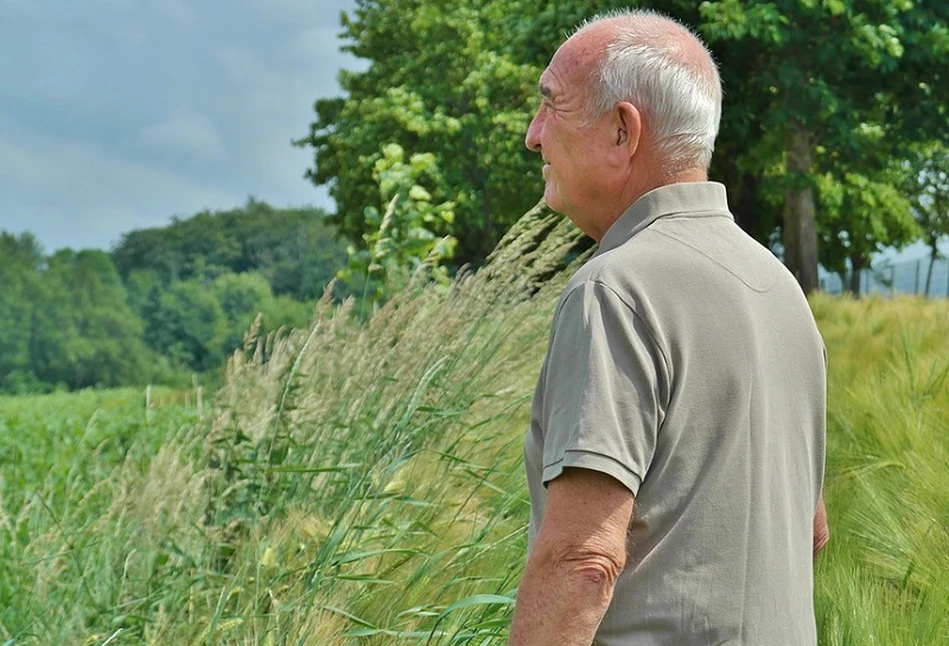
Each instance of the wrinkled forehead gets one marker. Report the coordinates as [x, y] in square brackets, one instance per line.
[573, 62]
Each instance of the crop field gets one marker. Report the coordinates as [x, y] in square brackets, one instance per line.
[361, 482]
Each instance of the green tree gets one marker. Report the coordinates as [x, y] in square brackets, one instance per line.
[186, 323]
[817, 74]
[70, 320]
[139, 285]
[441, 81]
[294, 249]
[21, 295]
[87, 334]
[804, 80]
[241, 297]
[402, 242]
[860, 216]
[927, 187]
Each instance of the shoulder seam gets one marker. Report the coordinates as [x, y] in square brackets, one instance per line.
[646, 326]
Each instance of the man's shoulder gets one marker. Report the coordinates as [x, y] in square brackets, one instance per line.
[599, 275]
[607, 281]
[624, 270]
[678, 249]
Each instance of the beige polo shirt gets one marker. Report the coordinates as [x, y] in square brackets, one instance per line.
[684, 361]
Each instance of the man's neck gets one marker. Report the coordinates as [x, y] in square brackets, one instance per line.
[631, 196]
[667, 179]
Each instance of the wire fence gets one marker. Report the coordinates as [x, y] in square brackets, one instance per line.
[906, 277]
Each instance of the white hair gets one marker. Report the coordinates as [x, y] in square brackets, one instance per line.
[680, 97]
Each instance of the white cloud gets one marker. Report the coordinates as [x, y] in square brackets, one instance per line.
[86, 173]
[184, 133]
[273, 108]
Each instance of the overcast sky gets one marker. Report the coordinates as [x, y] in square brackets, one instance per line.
[118, 114]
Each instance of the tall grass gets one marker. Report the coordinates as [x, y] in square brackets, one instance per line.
[60, 455]
[885, 577]
[361, 483]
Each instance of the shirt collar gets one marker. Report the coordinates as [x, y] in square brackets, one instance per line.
[694, 199]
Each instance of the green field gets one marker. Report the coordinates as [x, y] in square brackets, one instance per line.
[360, 483]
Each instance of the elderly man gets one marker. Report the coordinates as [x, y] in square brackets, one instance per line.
[676, 445]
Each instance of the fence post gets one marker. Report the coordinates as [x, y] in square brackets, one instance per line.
[916, 287]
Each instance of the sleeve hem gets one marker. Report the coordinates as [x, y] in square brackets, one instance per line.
[595, 462]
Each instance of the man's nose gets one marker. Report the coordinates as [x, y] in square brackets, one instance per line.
[532, 140]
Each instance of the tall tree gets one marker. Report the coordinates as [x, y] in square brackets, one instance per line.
[241, 297]
[861, 216]
[820, 72]
[21, 298]
[441, 80]
[186, 323]
[88, 334]
[927, 187]
[802, 79]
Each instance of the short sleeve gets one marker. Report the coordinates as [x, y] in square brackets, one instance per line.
[602, 405]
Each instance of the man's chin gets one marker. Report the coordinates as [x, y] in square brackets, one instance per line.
[552, 199]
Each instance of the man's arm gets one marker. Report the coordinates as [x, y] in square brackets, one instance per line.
[579, 553]
[821, 531]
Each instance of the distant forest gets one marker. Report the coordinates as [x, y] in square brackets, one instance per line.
[164, 303]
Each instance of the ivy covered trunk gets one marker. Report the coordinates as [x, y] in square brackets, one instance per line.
[800, 230]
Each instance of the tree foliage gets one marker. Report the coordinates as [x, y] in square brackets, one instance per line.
[21, 300]
[186, 323]
[441, 81]
[244, 297]
[820, 75]
[805, 82]
[74, 320]
[66, 321]
[402, 241]
[861, 216]
[293, 248]
[926, 184]
[89, 335]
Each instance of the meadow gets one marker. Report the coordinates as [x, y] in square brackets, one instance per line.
[360, 482]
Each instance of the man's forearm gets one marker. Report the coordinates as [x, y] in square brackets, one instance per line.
[562, 601]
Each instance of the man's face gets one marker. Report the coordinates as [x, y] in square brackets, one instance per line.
[561, 132]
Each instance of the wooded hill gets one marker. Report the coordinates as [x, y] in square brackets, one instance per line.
[163, 303]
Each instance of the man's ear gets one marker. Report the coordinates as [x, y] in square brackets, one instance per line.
[629, 128]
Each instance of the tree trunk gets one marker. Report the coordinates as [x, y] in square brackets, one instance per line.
[933, 257]
[746, 215]
[857, 264]
[800, 228]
